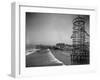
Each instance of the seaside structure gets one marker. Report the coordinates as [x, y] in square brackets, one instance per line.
[80, 51]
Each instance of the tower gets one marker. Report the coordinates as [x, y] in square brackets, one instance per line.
[79, 53]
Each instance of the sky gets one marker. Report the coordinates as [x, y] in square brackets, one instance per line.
[49, 28]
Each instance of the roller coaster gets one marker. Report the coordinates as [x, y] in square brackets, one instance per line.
[80, 51]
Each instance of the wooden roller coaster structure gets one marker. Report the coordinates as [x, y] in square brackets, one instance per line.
[80, 51]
